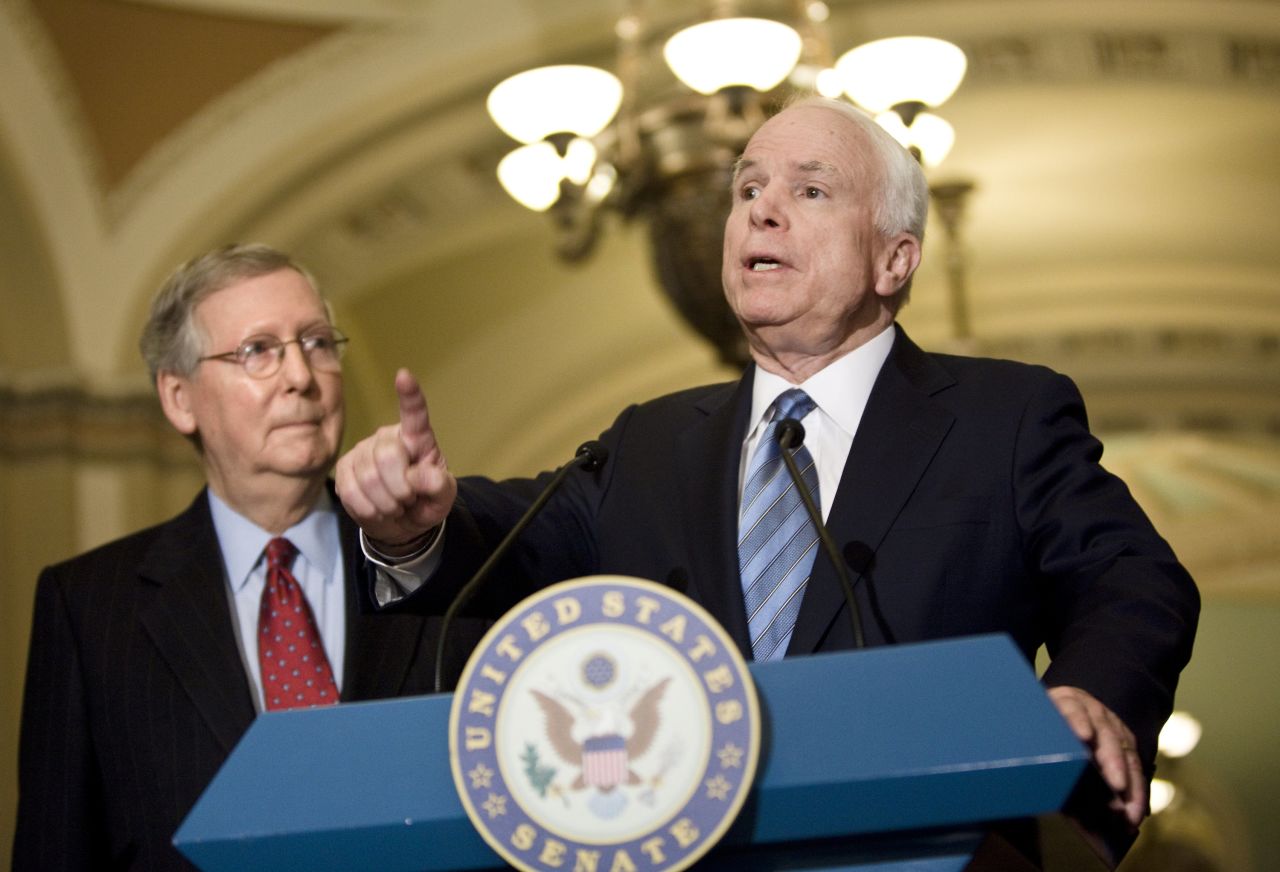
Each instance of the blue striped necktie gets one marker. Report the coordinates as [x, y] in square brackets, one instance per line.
[776, 540]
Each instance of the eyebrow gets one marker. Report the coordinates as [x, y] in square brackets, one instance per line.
[817, 166]
[301, 331]
[810, 166]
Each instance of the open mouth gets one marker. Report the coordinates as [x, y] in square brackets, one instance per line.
[762, 264]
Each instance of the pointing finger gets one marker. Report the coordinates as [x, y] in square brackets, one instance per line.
[415, 424]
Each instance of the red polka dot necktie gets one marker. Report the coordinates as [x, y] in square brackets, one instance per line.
[295, 670]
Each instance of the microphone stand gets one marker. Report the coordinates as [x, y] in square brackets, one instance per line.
[589, 456]
[790, 433]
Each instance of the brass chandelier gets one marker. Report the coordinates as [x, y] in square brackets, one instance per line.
[658, 138]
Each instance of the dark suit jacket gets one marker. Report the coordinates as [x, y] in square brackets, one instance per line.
[136, 692]
[972, 502]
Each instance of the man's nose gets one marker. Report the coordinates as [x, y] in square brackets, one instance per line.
[768, 211]
[295, 367]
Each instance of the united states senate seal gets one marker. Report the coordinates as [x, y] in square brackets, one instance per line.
[606, 724]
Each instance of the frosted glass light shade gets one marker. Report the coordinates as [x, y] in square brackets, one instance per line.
[1163, 793]
[579, 161]
[931, 135]
[828, 83]
[1180, 735]
[532, 105]
[531, 175]
[902, 69]
[755, 52]
[601, 183]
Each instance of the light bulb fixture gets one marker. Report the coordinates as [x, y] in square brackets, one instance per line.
[1180, 735]
[542, 102]
[1163, 793]
[713, 55]
[929, 137]
[827, 83]
[659, 140]
[532, 173]
[579, 160]
[901, 70]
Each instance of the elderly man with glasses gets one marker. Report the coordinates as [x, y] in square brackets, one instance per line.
[151, 655]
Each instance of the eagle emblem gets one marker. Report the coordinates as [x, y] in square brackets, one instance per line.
[604, 722]
[601, 738]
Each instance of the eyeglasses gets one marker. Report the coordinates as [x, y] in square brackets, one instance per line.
[261, 356]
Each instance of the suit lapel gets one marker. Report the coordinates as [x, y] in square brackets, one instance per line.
[897, 438]
[381, 648]
[187, 614]
[708, 475]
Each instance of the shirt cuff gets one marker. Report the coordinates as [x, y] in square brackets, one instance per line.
[398, 577]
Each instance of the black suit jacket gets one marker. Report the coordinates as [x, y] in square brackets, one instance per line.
[136, 691]
[972, 501]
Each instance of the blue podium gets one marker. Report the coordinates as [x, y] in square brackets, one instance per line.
[897, 758]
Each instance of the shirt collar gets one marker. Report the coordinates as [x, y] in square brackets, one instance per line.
[242, 541]
[840, 389]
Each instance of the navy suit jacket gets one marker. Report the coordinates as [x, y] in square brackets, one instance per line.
[136, 691]
[972, 502]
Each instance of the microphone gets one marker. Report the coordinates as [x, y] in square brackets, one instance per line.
[860, 556]
[589, 457]
[790, 436]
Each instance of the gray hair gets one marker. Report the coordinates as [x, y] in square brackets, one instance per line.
[904, 193]
[172, 340]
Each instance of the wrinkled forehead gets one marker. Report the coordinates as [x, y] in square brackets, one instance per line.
[283, 299]
[808, 138]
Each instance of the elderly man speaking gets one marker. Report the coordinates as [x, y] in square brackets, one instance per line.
[969, 488]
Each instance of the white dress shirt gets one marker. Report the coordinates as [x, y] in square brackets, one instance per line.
[318, 569]
[840, 391]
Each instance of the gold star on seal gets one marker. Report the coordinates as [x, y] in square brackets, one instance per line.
[730, 756]
[481, 776]
[495, 805]
[718, 788]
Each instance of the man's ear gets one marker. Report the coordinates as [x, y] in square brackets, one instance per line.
[175, 399]
[898, 261]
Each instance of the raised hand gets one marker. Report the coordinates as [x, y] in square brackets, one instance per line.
[395, 483]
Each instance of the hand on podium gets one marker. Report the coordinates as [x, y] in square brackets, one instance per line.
[1114, 750]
